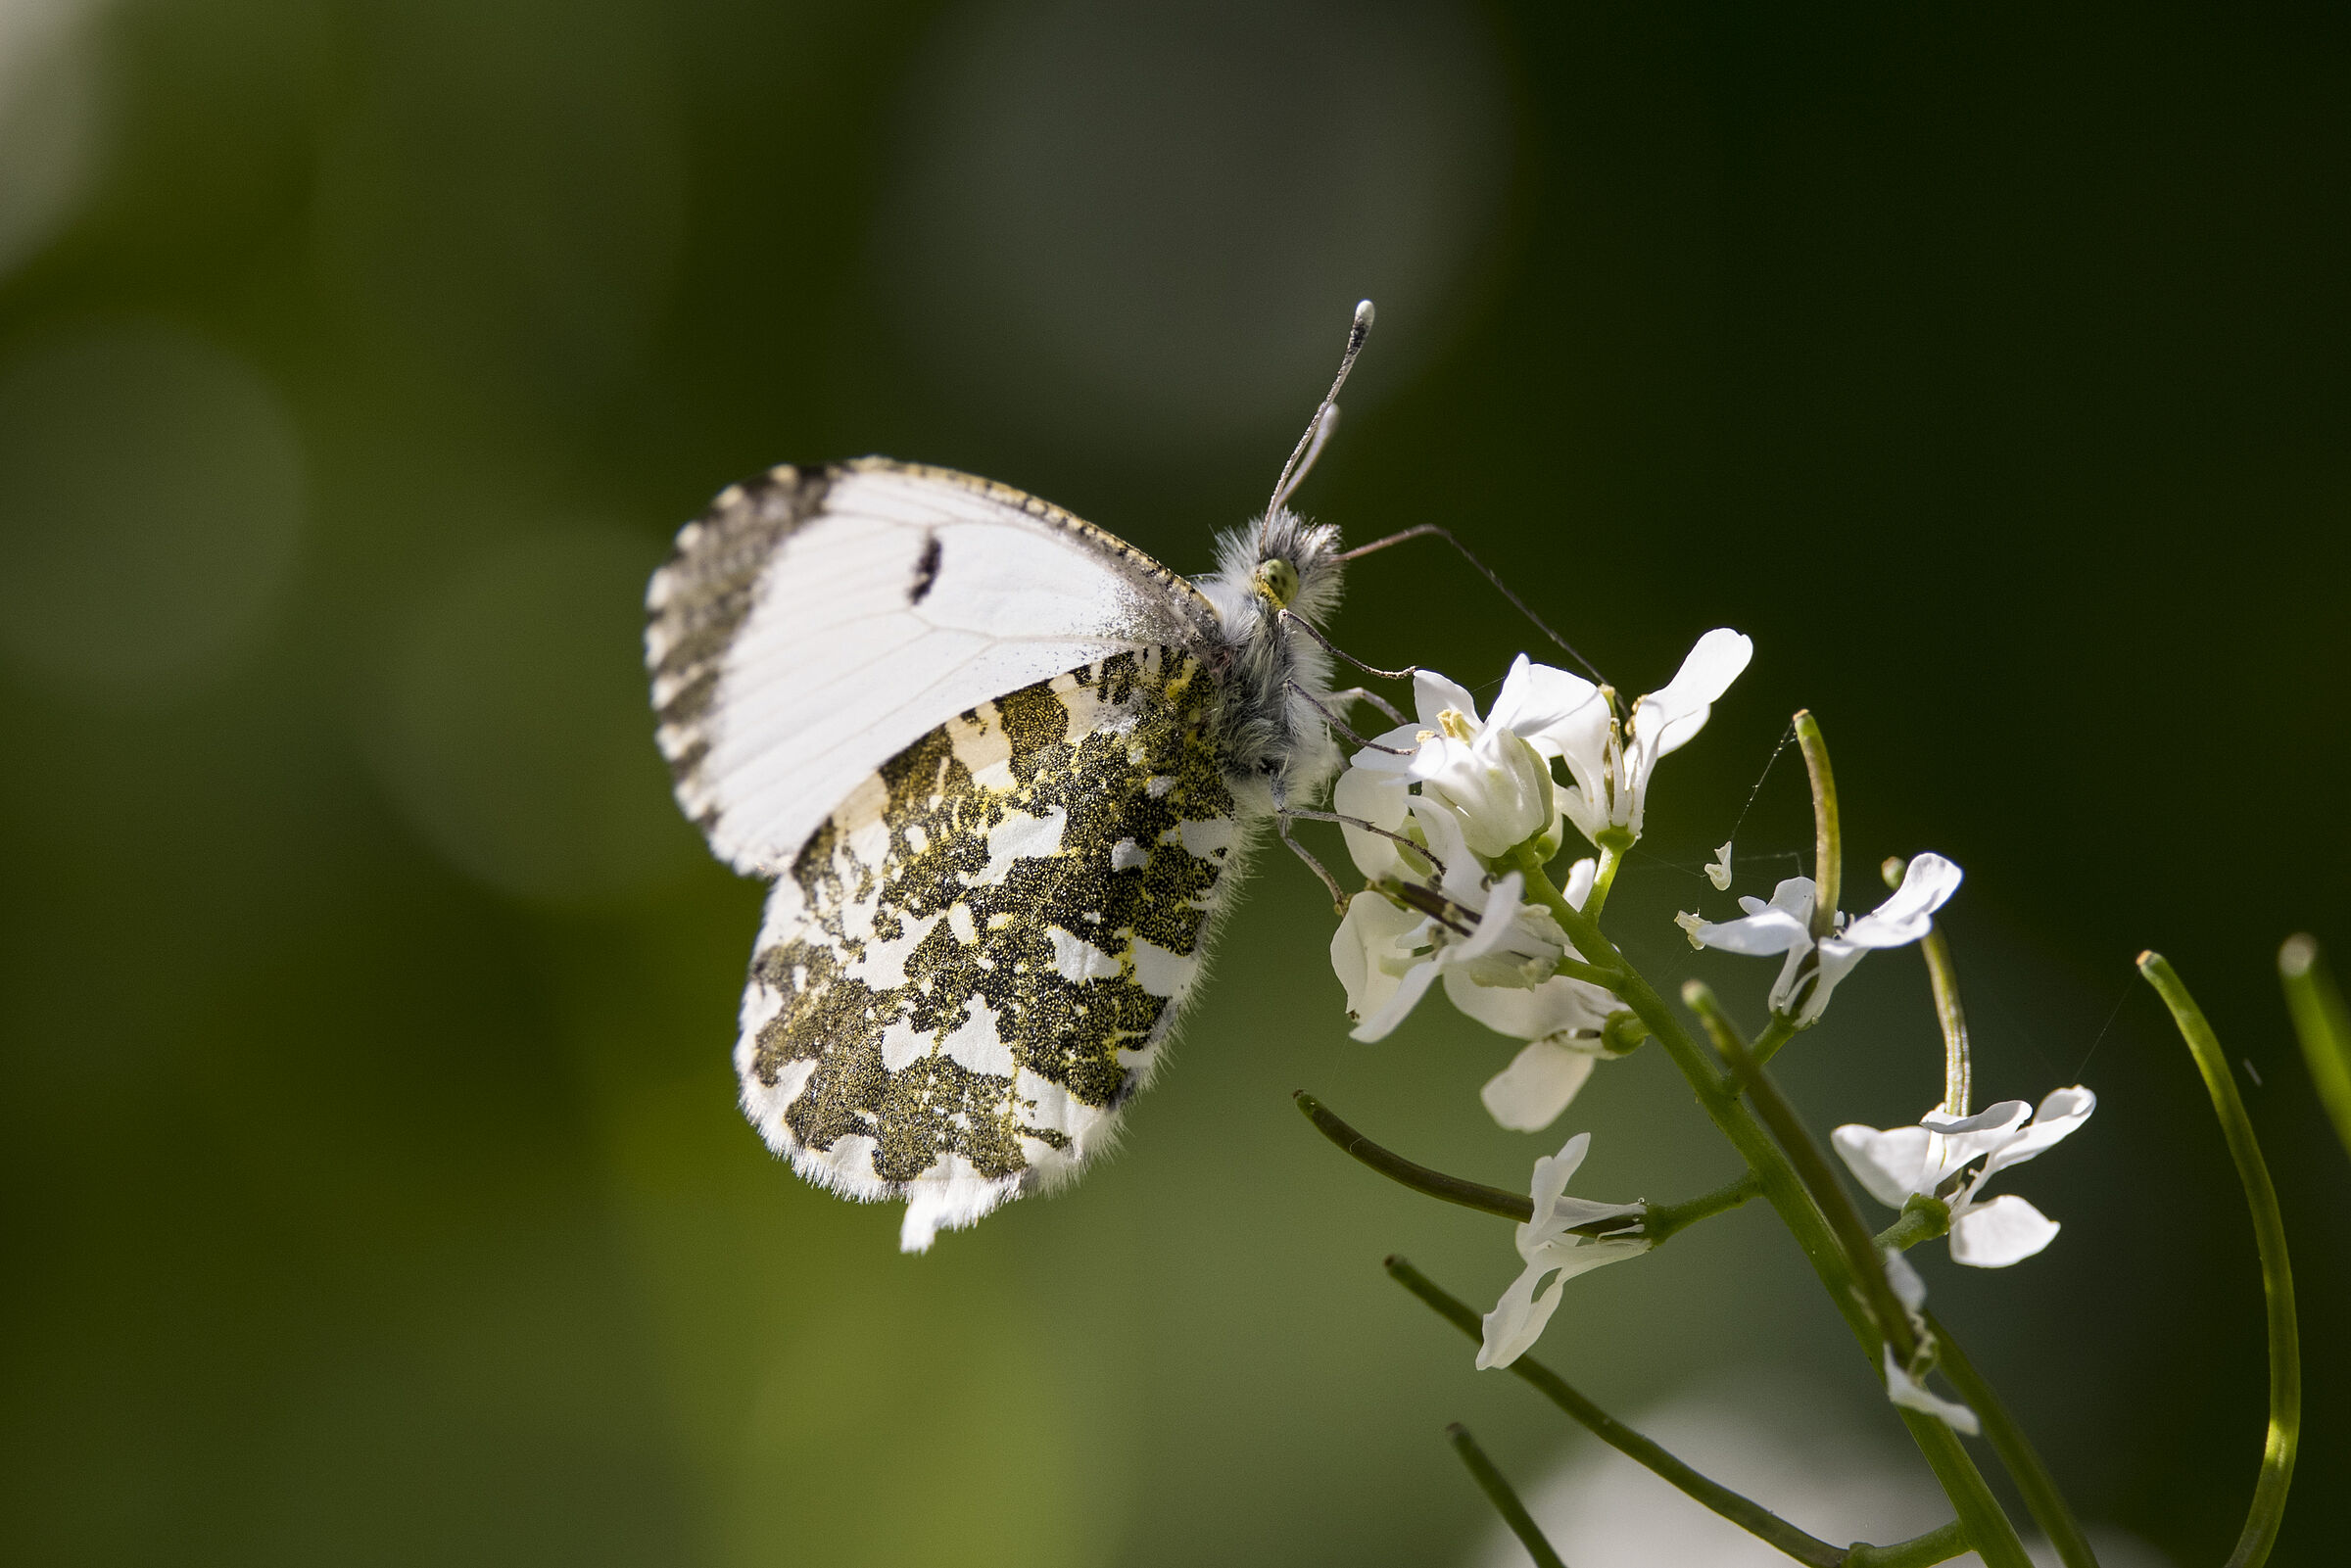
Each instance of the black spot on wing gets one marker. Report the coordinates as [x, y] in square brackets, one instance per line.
[926, 571]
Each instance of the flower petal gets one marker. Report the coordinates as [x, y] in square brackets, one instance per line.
[2060, 1113]
[1495, 923]
[2001, 1119]
[2007, 1230]
[1580, 878]
[1907, 916]
[1371, 941]
[1433, 693]
[1389, 752]
[1464, 880]
[1518, 1319]
[1410, 988]
[1837, 960]
[1669, 718]
[1551, 1174]
[1890, 1165]
[1530, 1093]
[1558, 1006]
[1902, 1277]
[1539, 701]
[1772, 931]
[1902, 1391]
[1379, 797]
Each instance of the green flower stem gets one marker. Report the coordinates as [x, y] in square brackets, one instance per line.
[1576, 971]
[1943, 979]
[1923, 1220]
[1936, 1545]
[1657, 1222]
[1778, 1032]
[1862, 1262]
[2277, 1275]
[1604, 877]
[1661, 1220]
[1453, 1189]
[2016, 1452]
[1505, 1502]
[2323, 1024]
[1623, 1031]
[1748, 1515]
[1988, 1527]
[1582, 929]
[1828, 857]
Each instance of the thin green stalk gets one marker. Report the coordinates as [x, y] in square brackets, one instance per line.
[1861, 1258]
[1828, 857]
[1658, 1221]
[1505, 1502]
[1985, 1524]
[1745, 1513]
[1939, 1545]
[1453, 1189]
[1661, 1220]
[1943, 979]
[1592, 973]
[2032, 1477]
[1988, 1527]
[1778, 1032]
[1604, 876]
[2323, 1024]
[2276, 1274]
[1582, 929]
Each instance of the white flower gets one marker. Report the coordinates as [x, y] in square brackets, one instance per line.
[1930, 1161]
[1561, 1020]
[1491, 772]
[1903, 1391]
[1785, 926]
[1611, 766]
[1548, 1243]
[1719, 872]
[1387, 957]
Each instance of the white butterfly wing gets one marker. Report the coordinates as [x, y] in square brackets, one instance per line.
[815, 622]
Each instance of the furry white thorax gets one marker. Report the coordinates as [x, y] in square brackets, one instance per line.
[1274, 672]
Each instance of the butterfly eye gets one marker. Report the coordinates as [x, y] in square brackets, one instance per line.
[1277, 581]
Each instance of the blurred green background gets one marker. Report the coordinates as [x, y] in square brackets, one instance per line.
[372, 1183]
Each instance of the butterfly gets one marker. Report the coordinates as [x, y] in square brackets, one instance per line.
[1005, 773]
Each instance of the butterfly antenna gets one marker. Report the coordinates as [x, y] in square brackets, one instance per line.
[1439, 530]
[1327, 416]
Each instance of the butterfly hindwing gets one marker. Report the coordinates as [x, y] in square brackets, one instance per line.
[973, 961]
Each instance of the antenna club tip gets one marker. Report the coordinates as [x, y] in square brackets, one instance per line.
[1365, 316]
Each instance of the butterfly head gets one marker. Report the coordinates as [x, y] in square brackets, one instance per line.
[1289, 563]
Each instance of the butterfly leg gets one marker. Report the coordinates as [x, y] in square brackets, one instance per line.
[1335, 720]
[1281, 824]
[1414, 846]
[1359, 693]
[1338, 897]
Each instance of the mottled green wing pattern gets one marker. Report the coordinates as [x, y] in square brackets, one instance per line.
[974, 961]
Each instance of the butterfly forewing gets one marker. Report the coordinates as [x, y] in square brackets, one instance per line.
[973, 959]
[818, 621]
